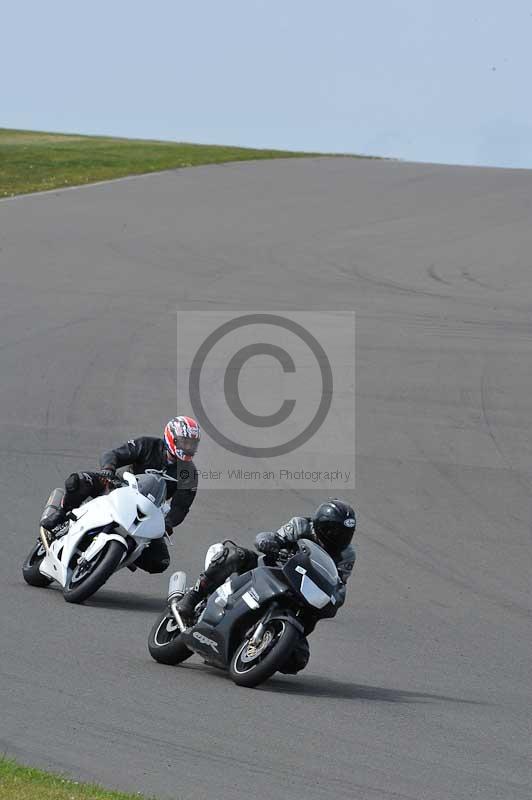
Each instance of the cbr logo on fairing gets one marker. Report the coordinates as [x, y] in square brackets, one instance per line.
[204, 640]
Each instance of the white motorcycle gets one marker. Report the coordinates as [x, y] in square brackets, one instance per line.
[102, 536]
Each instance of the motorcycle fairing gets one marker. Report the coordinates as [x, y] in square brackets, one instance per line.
[319, 587]
[125, 507]
[221, 624]
[136, 514]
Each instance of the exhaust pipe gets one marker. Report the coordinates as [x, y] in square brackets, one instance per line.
[177, 616]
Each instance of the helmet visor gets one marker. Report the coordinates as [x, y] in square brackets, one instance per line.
[187, 445]
[334, 534]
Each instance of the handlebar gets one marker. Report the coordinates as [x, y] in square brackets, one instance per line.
[281, 557]
[284, 554]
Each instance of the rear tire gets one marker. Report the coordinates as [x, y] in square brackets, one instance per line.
[30, 568]
[164, 641]
[251, 666]
[106, 561]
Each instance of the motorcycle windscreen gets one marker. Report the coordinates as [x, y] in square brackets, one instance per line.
[321, 562]
[153, 487]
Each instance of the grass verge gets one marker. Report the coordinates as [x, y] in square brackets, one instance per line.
[24, 783]
[34, 162]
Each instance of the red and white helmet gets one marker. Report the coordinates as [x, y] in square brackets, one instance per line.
[181, 436]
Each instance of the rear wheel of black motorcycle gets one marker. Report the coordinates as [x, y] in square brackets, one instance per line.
[253, 664]
[87, 578]
[30, 568]
[164, 642]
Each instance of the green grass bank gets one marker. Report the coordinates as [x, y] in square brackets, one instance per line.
[34, 162]
[24, 783]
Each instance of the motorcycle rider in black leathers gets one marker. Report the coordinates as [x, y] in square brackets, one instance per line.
[332, 526]
[173, 454]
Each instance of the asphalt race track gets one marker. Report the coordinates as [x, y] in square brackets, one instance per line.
[420, 688]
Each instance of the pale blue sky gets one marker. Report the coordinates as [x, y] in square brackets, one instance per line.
[420, 80]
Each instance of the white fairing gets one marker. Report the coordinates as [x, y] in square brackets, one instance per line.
[134, 514]
[313, 594]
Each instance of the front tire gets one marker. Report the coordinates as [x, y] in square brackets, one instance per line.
[83, 584]
[30, 569]
[252, 664]
[164, 641]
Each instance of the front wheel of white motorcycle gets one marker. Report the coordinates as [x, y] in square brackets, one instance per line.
[89, 576]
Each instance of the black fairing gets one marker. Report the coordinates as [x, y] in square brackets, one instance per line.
[224, 623]
[225, 627]
[318, 565]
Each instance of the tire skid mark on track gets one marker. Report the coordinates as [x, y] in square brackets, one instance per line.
[472, 279]
[74, 399]
[417, 554]
[484, 404]
[49, 330]
[171, 748]
[385, 283]
[431, 272]
[10, 451]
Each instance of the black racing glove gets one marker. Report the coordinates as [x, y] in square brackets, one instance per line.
[268, 543]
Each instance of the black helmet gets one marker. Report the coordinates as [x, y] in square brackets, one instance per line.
[334, 524]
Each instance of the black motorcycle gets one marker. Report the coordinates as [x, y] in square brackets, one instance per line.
[251, 624]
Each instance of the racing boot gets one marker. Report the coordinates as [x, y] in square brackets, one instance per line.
[56, 519]
[223, 561]
[191, 598]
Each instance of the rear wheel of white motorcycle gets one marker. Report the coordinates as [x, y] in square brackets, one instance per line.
[88, 576]
[30, 568]
[253, 664]
[164, 641]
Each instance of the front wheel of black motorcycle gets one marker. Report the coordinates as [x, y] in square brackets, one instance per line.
[164, 642]
[252, 664]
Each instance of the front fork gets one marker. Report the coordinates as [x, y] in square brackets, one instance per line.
[44, 539]
[274, 612]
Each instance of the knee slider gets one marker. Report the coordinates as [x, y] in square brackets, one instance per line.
[297, 660]
[161, 566]
[236, 558]
[216, 554]
[301, 658]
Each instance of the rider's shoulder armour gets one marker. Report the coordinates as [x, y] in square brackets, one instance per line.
[296, 528]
